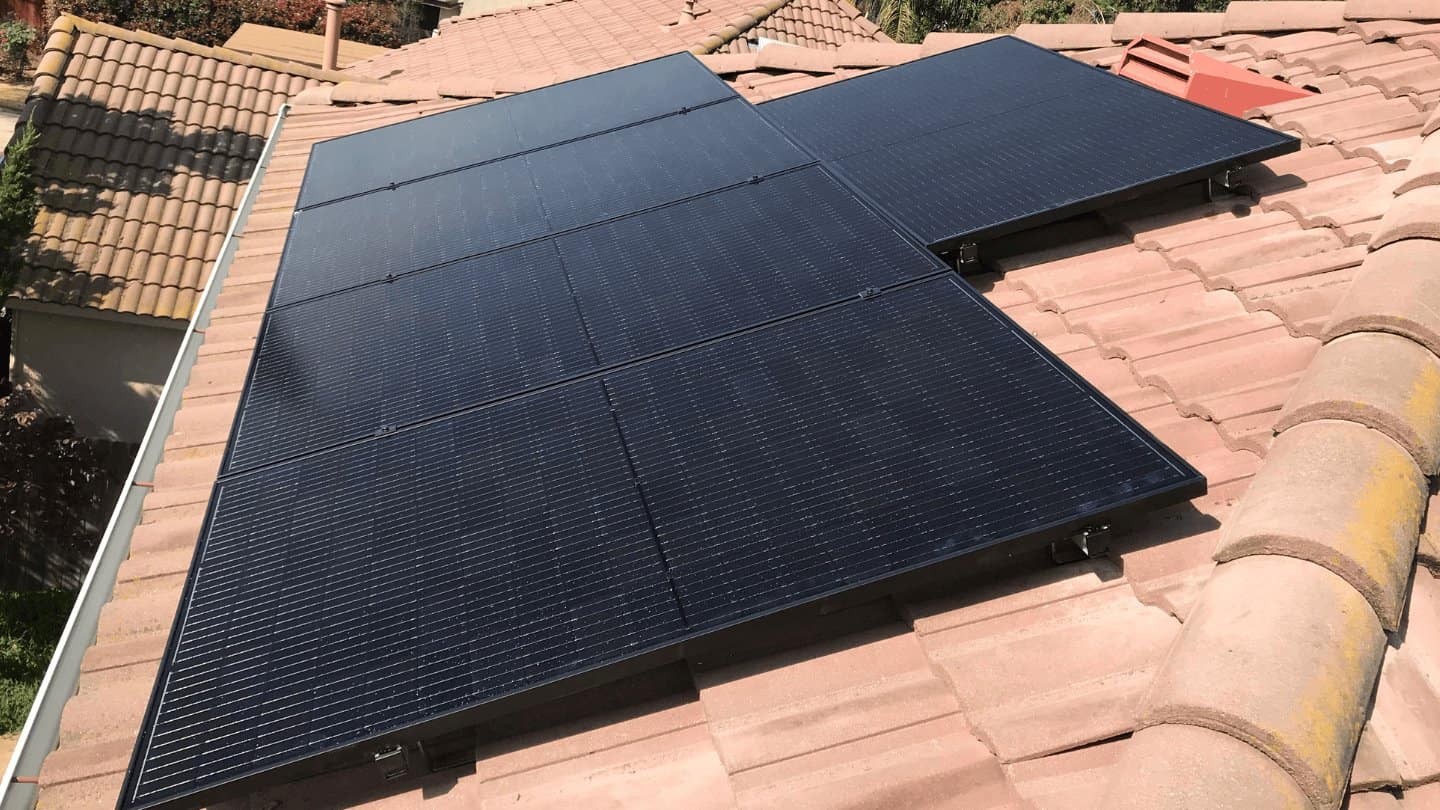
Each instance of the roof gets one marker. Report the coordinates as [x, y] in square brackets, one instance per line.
[295, 46]
[577, 37]
[1270, 644]
[145, 147]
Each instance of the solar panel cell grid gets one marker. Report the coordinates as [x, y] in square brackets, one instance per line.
[573, 410]
[342, 367]
[856, 442]
[372, 587]
[730, 260]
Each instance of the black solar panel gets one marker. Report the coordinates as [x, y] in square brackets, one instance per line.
[451, 216]
[479, 133]
[855, 443]
[389, 582]
[343, 367]
[1004, 135]
[730, 260]
[524, 427]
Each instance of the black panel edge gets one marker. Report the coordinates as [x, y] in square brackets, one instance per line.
[311, 155]
[1102, 201]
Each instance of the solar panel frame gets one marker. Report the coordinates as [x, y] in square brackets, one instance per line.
[871, 185]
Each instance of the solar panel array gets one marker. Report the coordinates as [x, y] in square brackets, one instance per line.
[1003, 135]
[572, 389]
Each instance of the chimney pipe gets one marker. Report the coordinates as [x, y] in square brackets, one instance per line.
[332, 33]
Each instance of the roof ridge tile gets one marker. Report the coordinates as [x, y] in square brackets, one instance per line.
[1248, 664]
[1344, 498]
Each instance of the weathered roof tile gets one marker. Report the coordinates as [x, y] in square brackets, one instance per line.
[1383, 381]
[1273, 651]
[1190, 767]
[1342, 497]
[1172, 26]
[1393, 294]
[1245, 16]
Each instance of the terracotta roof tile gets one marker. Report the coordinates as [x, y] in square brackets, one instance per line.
[588, 36]
[1196, 768]
[1341, 497]
[1389, 10]
[126, 142]
[295, 46]
[1172, 26]
[1066, 36]
[1225, 674]
[1383, 381]
[1244, 16]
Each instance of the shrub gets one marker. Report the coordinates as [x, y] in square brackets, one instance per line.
[15, 40]
[19, 204]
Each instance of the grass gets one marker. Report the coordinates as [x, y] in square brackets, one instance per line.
[30, 626]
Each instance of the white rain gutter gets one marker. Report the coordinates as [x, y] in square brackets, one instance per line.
[41, 733]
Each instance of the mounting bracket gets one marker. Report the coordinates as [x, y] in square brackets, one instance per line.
[1229, 181]
[1086, 544]
[967, 257]
[394, 762]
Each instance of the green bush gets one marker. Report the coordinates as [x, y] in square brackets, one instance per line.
[30, 626]
[15, 40]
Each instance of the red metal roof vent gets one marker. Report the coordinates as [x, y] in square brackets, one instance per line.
[1179, 71]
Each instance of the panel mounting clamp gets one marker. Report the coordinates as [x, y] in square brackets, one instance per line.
[967, 256]
[1228, 180]
[394, 762]
[1087, 544]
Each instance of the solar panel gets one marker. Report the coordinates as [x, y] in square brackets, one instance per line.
[389, 582]
[343, 367]
[730, 260]
[498, 446]
[459, 214]
[411, 583]
[479, 133]
[1004, 135]
[871, 438]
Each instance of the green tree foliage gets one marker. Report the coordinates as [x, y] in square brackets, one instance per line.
[19, 204]
[389, 23]
[15, 39]
[911, 20]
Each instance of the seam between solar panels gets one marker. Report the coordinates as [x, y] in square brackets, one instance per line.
[614, 417]
[597, 373]
[552, 235]
[411, 181]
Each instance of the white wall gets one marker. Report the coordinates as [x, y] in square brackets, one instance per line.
[104, 372]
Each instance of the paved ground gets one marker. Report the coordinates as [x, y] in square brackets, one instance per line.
[7, 125]
[12, 96]
[7, 745]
